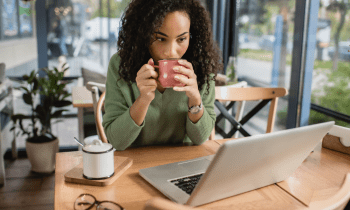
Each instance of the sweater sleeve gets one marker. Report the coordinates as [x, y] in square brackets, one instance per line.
[199, 132]
[121, 130]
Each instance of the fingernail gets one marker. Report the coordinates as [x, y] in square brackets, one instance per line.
[180, 61]
[176, 68]
[177, 77]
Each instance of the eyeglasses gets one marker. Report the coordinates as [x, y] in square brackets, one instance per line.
[87, 201]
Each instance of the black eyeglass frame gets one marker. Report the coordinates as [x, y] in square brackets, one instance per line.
[97, 203]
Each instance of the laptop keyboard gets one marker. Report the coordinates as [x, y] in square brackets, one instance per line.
[187, 184]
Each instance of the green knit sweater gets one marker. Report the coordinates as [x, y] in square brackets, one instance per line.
[166, 121]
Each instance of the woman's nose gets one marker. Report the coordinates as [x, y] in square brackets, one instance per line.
[171, 51]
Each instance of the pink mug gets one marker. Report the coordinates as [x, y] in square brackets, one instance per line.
[167, 73]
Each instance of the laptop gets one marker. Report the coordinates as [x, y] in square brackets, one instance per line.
[239, 166]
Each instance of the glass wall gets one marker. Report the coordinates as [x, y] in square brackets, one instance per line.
[84, 32]
[264, 57]
[331, 76]
[80, 34]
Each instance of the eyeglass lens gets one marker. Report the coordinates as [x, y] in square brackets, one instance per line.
[108, 206]
[86, 201]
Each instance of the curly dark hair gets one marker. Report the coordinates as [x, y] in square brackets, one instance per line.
[143, 17]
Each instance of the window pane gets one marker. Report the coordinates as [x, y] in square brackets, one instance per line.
[77, 30]
[25, 20]
[331, 76]
[264, 58]
[9, 18]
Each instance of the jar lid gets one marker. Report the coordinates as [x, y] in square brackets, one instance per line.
[97, 146]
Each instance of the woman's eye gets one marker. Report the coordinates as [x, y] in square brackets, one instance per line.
[182, 39]
[160, 39]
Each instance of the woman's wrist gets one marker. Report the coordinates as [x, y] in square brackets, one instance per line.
[195, 100]
[143, 100]
[138, 110]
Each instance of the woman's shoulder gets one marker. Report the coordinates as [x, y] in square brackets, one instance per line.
[113, 69]
[114, 62]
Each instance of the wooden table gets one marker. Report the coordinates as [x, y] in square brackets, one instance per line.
[319, 177]
[82, 98]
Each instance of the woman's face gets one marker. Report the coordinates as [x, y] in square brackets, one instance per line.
[172, 38]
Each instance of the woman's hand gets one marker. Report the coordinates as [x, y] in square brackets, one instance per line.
[191, 86]
[146, 81]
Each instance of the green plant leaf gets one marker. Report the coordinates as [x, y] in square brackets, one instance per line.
[25, 77]
[58, 113]
[36, 84]
[24, 88]
[62, 103]
[57, 121]
[27, 98]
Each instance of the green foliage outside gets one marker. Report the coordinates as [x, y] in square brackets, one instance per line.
[262, 55]
[334, 96]
[265, 55]
[116, 9]
[345, 32]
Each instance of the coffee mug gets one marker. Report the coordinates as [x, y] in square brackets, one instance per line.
[167, 73]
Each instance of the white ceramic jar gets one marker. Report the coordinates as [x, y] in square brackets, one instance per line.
[98, 160]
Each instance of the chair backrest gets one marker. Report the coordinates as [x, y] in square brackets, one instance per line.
[163, 204]
[233, 94]
[98, 118]
[95, 88]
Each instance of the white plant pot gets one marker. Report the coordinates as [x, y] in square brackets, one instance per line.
[42, 156]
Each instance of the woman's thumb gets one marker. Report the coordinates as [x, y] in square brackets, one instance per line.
[151, 62]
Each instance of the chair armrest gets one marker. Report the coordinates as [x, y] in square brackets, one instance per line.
[100, 86]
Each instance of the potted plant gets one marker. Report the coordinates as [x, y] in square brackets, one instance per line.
[41, 144]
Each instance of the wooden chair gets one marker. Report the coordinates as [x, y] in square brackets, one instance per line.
[240, 104]
[95, 88]
[98, 118]
[163, 204]
[266, 95]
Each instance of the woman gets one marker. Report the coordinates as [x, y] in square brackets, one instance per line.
[138, 110]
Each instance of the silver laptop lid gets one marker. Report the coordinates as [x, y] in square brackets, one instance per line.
[249, 163]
